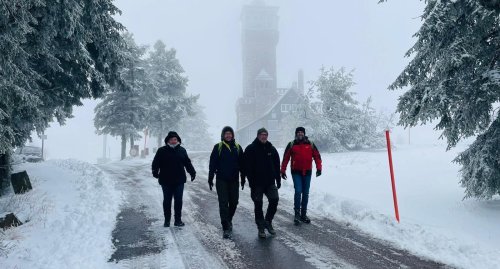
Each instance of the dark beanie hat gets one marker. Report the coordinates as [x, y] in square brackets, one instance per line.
[224, 130]
[300, 129]
[262, 130]
[172, 134]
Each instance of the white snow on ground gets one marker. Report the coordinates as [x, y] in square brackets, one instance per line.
[435, 222]
[183, 248]
[73, 205]
[71, 212]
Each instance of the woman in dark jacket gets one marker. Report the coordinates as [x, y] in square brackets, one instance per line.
[168, 166]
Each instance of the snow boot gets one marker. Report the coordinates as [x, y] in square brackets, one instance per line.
[269, 227]
[179, 223]
[304, 218]
[226, 234]
[262, 233]
[296, 219]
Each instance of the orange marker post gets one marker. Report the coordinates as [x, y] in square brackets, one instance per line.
[394, 196]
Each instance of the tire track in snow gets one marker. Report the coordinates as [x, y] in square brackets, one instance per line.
[174, 247]
[331, 244]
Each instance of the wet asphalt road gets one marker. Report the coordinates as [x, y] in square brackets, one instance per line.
[325, 243]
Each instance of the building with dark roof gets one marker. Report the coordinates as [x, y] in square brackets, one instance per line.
[263, 104]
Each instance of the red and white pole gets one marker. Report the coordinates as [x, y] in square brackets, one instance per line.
[393, 181]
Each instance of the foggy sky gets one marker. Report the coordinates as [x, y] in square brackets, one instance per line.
[362, 35]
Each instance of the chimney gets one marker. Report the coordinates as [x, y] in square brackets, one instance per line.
[301, 81]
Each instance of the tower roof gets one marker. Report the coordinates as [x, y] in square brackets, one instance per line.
[263, 75]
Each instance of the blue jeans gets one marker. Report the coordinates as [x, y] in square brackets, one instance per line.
[301, 184]
[169, 192]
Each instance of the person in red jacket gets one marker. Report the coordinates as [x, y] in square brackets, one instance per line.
[302, 152]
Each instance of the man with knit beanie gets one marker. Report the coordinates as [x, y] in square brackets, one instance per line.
[226, 161]
[262, 170]
[169, 167]
[302, 152]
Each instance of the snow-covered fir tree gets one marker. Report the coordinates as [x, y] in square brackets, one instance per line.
[454, 79]
[194, 130]
[123, 111]
[168, 100]
[53, 54]
[334, 119]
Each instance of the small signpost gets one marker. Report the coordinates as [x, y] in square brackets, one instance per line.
[393, 181]
[43, 137]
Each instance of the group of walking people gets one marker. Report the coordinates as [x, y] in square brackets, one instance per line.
[231, 166]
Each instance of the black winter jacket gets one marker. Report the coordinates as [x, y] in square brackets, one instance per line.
[226, 161]
[169, 164]
[262, 164]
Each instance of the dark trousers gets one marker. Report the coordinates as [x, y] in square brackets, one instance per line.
[176, 192]
[301, 183]
[257, 194]
[228, 193]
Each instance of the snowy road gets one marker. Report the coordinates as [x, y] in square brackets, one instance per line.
[142, 242]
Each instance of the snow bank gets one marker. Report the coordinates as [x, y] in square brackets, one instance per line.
[73, 210]
[435, 221]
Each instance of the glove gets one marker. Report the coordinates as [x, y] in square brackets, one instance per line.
[242, 182]
[278, 183]
[318, 173]
[210, 183]
[193, 176]
[283, 175]
[155, 174]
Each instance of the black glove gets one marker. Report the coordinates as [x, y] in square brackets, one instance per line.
[318, 173]
[278, 183]
[211, 183]
[193, 176]
[156, 174]
[243, 182]
[283, 175]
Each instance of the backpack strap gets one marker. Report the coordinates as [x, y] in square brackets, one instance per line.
[313, 145]
[220, 147]
[221, 144]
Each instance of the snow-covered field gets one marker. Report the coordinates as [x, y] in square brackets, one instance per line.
[73, 207]
[71, 212]
[435, 222]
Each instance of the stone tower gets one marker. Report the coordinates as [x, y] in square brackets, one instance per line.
[259, 37]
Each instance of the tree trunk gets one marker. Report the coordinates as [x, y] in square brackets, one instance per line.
[4, 171]
[131, 141]
[159, 141]
[124, 146]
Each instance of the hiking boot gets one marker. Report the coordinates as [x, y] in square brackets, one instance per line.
[179, 223]
[226, 234]
[296, 219]
[262, 233]
[166, 223]
[304, 218]
[269, 227]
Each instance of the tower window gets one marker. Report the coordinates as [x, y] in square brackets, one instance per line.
[286, 107]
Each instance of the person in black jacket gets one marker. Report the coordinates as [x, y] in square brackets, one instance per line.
[262, 168]
[226, 161]
[168, 166]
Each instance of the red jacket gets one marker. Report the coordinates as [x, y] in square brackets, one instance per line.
[302, 154]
